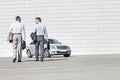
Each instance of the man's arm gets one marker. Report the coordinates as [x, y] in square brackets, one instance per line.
[9, 33]
[35, 29]
[46, 34]
[23, 33]
[10, 29]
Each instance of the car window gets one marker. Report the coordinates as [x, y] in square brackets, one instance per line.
[53, 41]
[32, 43]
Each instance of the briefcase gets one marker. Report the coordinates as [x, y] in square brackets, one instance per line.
[33, 37]
[23, 45]
[10, 38]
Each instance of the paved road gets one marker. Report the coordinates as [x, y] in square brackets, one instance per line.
[96, 67]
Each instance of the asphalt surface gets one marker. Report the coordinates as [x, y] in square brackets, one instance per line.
[95, 67]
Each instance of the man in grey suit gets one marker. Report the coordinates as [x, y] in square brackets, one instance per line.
[41, 34]
[18, 31]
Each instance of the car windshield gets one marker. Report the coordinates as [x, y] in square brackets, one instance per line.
[53, 41]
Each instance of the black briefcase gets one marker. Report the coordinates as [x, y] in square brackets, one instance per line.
[10, 38]
[23, 45]
[33, 37]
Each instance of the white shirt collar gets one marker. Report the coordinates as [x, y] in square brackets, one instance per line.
[17, 22]
[39, 23]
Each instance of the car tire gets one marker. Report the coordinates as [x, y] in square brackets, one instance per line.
[66, 55]
[49, 56]
[29, 55]
[47, 53]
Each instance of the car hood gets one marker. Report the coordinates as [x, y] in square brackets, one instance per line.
[58, 45]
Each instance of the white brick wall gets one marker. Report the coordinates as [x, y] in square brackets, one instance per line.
[88, 26]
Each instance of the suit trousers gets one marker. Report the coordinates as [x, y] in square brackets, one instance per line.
[17, 43]
[39, 47]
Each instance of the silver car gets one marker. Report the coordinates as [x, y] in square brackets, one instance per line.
[53, 47]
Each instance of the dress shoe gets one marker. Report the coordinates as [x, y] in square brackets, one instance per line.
[14, 60]
[41, 60]
[37, 60]
[19, 61]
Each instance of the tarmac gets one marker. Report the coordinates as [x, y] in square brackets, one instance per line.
[89, 67]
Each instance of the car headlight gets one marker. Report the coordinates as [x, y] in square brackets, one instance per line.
[68, 47]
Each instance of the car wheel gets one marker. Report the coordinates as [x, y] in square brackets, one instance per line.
[66, 55]
[47, 53]
[29, 55]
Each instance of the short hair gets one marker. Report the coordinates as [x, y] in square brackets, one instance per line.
[17, 18]
[38, 18]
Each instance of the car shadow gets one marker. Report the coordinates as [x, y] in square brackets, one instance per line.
[46, 60]
[53, 58]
